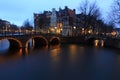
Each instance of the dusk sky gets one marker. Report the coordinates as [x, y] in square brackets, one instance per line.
[17, 11]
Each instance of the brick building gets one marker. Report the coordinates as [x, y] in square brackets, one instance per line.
[60, 22]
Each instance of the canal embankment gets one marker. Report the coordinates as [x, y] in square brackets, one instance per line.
[104, 42]
[112, 42]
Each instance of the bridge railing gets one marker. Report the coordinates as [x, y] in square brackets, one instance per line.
[5, 34]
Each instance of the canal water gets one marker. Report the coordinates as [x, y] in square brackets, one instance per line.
[60, 62]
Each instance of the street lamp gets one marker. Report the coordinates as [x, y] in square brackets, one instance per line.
[74, 27]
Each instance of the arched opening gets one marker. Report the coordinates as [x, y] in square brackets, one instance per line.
[30, 43]
[40, 42]
[4, 45]
[14, 43]
[9, 46]
[54, 41]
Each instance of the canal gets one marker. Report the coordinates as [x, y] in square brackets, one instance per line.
[60, 62]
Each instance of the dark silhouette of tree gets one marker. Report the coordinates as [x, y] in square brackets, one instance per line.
[114, 15]
[91, 14]
[27, 25]
[43, 20]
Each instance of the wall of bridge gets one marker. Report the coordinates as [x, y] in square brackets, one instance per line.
[39, 41]
[65, 40]
[112, 42]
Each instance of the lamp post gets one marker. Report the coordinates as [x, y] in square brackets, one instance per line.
[74, 30]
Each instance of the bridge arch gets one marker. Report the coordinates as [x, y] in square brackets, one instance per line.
[39, 41]
[14, 43]
[54, 41]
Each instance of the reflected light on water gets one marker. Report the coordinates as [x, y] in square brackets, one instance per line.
[55, 57]
[73, 48]
[54, 46]
[102, 43]
[15, 55]
[26, 51]
[73, 52]
[20, 52]
[67, 62]
[54, 52]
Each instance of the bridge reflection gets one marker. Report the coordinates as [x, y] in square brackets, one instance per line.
[12, 55]
[16, 54]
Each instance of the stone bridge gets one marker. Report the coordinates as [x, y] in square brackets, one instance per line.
[22, 41]
[40, 40]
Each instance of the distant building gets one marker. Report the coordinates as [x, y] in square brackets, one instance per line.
[4, 25]
[41, 21]
[80, 21]
[66, 17]
[60, 22]
[53, 18]
[53, 21]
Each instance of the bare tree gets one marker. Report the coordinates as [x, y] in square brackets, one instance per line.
[90, 9]
[84, 7]
[27, 25]
[91, 14]
[115, 12]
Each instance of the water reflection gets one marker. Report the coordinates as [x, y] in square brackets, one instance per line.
[65, 62]
[73, 52]
[54, 52]
[11, 55]
[102, 43]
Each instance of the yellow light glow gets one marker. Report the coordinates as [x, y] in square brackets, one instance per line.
[102, 43]
[73, 52]
[96, 42]
[82, 29]
[90, 31]
[113, 33]
[74, 27]
[55, 27]
[58, 31]
[52, 29]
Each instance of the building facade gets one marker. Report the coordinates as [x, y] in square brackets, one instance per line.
[66, 17]
[42, 21]
[4, 25]
[59, 22]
